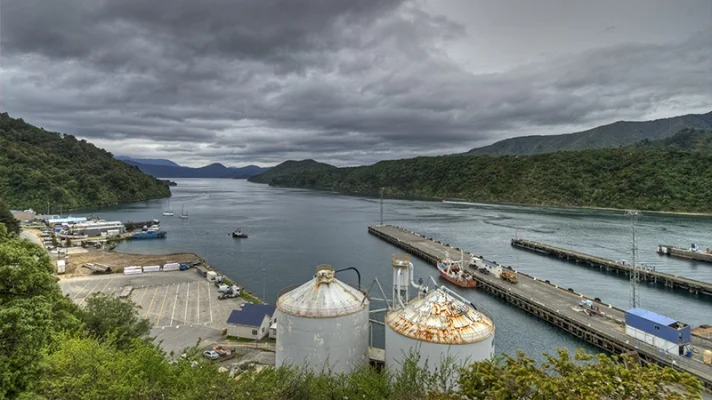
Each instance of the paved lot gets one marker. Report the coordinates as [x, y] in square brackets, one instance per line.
[181, 305]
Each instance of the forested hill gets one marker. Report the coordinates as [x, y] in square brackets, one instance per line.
[37, 167]
[291, 167]
[642, 177]
[621, 133]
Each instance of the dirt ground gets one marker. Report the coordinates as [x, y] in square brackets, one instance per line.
[117, 261]
[705, 331]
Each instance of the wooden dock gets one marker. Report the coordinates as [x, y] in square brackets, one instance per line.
[646, 274]
[558, 306]
[674, 251]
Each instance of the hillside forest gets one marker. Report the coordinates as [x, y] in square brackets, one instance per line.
[674, 174]
[41, 169]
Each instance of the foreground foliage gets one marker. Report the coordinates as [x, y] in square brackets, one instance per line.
[52, 349]
[668, 176]
[8, 219]
[38, 167]
[583, 377]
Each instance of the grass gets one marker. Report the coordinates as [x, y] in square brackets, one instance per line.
[249, 297]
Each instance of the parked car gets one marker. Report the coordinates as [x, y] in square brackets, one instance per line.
[211, 354]
[222, 351]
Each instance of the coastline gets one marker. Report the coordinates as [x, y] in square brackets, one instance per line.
[530, 205]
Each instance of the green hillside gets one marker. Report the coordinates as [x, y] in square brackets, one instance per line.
[291, 167]
[686, 139]
[37, 167]
[651, 176]
[621, 133]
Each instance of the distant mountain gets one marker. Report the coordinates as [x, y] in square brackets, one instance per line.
[621, 133]
[291, 167]
[670, 174]
[148, 161]
[209, 171]
[685, 140]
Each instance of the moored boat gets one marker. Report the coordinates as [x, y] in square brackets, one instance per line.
[149, 235]
[169, 211]
[455, 273]
[238, 234]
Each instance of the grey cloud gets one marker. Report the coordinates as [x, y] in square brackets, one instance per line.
[340, 81]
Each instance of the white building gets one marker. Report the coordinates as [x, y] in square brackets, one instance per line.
[253, 322]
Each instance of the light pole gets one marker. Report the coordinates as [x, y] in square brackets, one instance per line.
[264, 280]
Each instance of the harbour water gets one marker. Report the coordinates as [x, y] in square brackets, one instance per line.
[291, 231]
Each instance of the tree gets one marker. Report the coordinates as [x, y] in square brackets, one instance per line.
[108, 317]
[6, 217]
[583, 377]
[25, 271]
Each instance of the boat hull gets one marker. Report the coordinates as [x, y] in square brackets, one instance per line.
[149, 235]
[468, 284]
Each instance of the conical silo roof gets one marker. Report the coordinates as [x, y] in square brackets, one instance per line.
[323, 297]
[438, 317]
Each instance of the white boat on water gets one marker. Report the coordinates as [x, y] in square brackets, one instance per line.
[169, 210]
[183, 213]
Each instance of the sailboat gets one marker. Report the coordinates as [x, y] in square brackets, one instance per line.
[169, 210]
[183, 214]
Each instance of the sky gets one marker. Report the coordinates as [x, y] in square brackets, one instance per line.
[345, 82]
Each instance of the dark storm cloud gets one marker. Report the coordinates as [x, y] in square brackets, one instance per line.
[348, 82]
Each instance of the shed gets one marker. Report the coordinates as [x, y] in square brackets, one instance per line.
[252, 322]
[657, 330]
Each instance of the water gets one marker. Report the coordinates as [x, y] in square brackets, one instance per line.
[291, 231]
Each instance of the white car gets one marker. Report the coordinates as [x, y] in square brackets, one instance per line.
[211, 354]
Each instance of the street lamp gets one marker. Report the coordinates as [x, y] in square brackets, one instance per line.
[264, 281]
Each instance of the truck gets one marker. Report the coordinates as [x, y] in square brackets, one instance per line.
[509, 276]
[228, 292]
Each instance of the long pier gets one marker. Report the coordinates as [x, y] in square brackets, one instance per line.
[558, 306]
[675, 251]
[648, 275]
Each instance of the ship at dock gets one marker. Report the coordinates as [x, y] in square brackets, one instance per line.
[455, 272]
[152, 232]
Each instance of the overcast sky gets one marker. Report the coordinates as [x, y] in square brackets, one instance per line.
[345, 82]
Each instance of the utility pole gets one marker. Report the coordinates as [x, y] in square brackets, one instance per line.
[264, 280]
[382, 205]
[634, 272]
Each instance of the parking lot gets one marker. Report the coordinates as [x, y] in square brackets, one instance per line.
[182, 306]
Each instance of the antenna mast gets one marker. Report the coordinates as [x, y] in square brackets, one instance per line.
[634, 272]
[381, 205]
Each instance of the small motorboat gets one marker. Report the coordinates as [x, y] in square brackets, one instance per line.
[238, 234]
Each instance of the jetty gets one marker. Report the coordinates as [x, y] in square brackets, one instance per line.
[559, 306]
[690, 254]
[603, 264]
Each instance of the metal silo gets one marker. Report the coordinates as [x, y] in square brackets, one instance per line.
[438, 324]
[323, 325]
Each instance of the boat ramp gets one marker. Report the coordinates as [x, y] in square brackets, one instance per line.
[646, 274]
[562, 307]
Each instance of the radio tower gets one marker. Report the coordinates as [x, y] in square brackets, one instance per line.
[381, 206]
[634, 272]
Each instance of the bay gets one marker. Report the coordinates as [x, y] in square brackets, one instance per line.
[291, 231]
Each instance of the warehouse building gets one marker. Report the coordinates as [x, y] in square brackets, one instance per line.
[658, 330]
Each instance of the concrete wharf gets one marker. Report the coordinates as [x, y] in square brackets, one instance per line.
[646, 274]
[558, 306]
[674, 251]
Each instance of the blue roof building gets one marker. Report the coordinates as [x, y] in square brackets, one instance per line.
[252, 322]
[657, 330]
